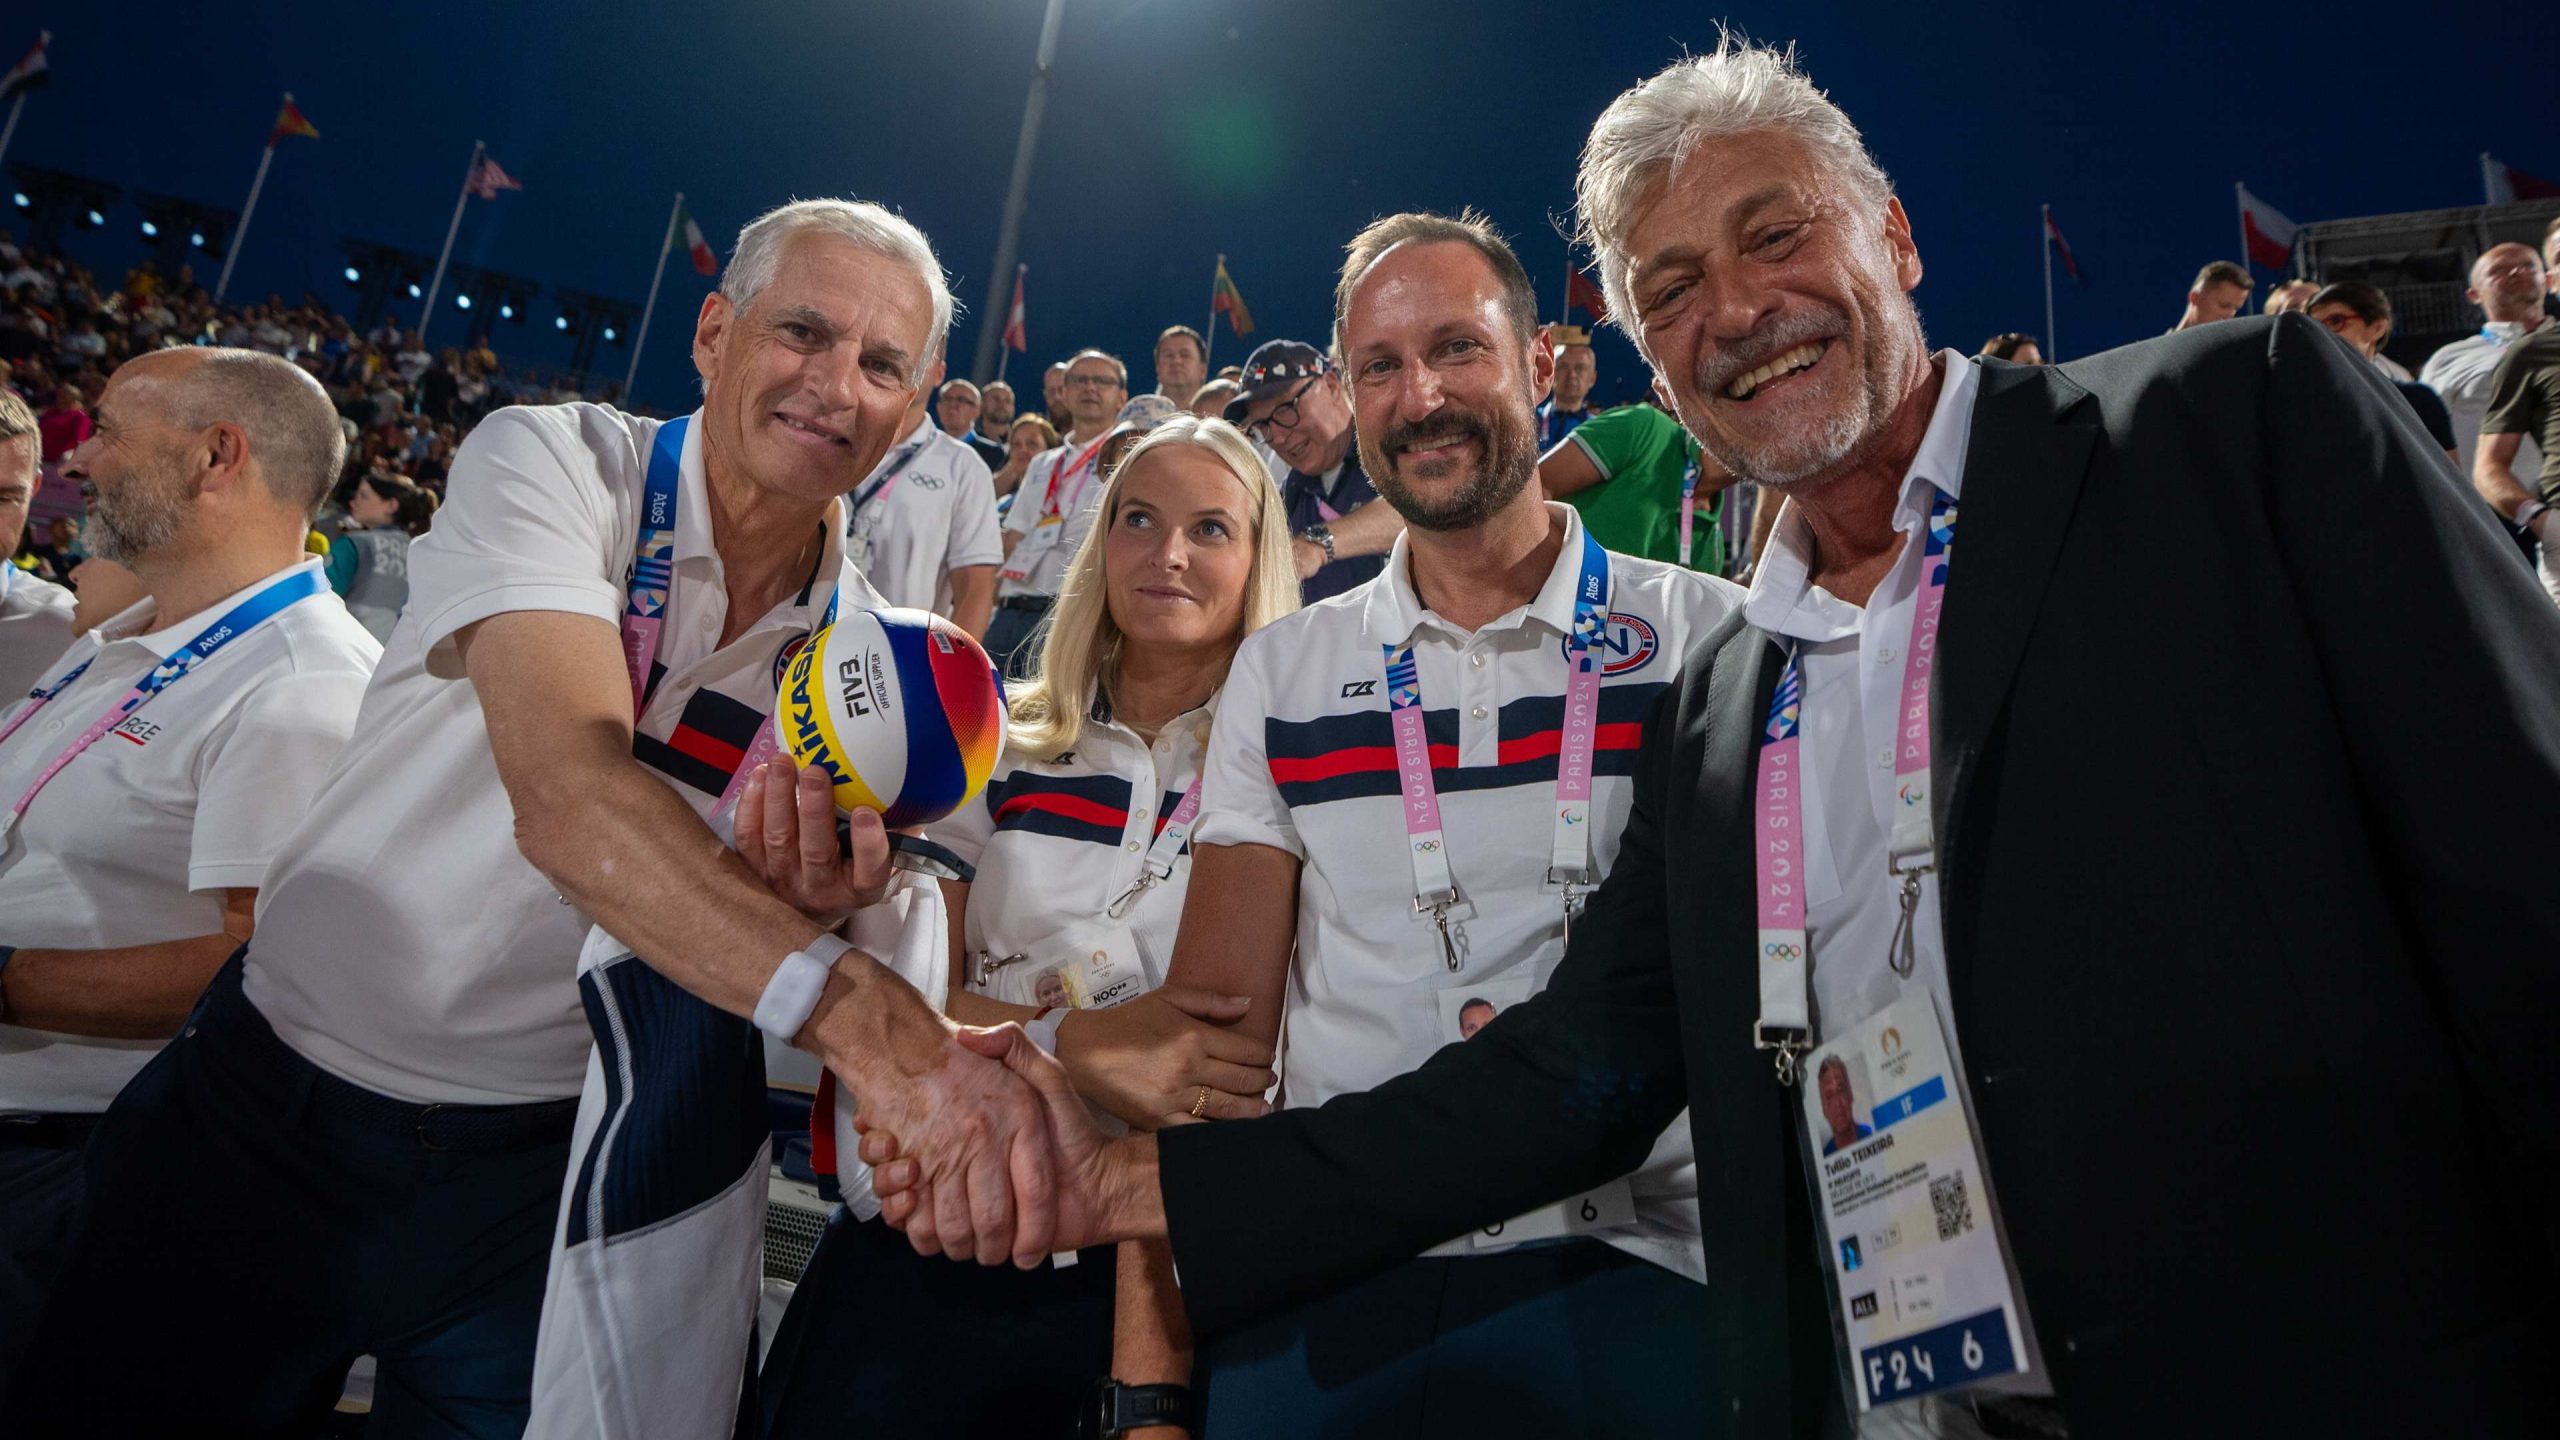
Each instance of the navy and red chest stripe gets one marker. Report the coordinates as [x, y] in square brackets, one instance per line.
[1350, 757]
[1090, 808]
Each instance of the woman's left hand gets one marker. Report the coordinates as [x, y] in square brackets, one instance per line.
[785, 829]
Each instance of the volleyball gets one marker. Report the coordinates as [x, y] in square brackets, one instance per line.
[900, 708]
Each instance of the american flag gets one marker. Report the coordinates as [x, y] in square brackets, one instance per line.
[487, 179]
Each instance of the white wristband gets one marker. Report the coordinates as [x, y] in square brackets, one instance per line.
[2526, 513]
[1044, 1030]
[791, 996]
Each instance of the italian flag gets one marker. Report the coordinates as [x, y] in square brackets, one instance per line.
[704, 261]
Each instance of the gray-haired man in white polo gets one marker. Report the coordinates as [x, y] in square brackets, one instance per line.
[361, 1146]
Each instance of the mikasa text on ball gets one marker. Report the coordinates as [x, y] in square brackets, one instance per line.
[900, 708]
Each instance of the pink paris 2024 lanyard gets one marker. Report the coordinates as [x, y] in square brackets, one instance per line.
[1786, 1015]
[1569, 852]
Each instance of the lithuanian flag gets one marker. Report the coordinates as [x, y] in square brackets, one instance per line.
[1223, 300]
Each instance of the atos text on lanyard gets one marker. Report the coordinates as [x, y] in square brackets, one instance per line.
[652, 580]
[271, 600]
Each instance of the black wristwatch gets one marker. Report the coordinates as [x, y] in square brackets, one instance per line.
[1119, 1409]
[1322, 535]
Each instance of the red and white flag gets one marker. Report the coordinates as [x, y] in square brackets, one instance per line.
[31, 71]
[1015, 336]
[2269, 234]
[2505, 184]
[487, 179]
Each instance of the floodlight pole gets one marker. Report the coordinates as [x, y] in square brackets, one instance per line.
[1017, 198]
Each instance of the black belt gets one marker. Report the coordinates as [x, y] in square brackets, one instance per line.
[39, 1131]
[1039, 603]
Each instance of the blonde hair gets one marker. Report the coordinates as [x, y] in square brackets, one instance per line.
[1080, 643]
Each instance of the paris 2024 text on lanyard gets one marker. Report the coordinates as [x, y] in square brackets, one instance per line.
[1569, 857]
[1921, 1286]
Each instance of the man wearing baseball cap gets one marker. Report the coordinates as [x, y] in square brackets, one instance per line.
[1292, 401]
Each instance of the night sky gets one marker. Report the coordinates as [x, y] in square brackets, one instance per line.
[1179, 129]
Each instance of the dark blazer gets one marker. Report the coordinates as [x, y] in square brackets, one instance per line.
[2248, 785]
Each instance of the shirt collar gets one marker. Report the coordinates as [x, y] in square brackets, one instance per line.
[128, 623]
[923, 433]
[1394, 610]
[693, 526]
[1783, 600]
[2507, 332]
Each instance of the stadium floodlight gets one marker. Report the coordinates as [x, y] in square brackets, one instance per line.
[506, 312]
[150, 231]
[19, 198]
[612, 336]
[97, 221]
[559, 322]
[196, 238]
[354, 276]
[414, 292]
[461, 302]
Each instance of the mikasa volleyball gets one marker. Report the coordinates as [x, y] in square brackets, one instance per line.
[900, 708]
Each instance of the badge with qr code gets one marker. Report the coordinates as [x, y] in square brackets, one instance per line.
[1923, 1295]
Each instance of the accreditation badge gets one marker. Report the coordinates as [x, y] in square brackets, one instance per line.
[1467, 1009]
[1920, 1286]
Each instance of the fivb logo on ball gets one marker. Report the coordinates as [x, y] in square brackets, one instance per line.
[901, 710]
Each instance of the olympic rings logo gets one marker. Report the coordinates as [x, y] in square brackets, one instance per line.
[1425, 847]
[1780, 950]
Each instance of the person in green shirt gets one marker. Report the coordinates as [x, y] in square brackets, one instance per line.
[1628, 471]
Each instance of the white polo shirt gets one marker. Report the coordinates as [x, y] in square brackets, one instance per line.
[1302, 760]
[1052, 509]
[35, 628]
[403, 941]
[935, 514]
[1056, 843]
[2460, 374]
[134, 842]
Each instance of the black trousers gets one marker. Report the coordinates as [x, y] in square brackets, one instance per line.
[40, 1162]
[253, 1224]
[887, 1344]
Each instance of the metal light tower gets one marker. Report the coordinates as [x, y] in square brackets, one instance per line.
[1017, 197]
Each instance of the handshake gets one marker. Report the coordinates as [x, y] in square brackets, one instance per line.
[982, 1150]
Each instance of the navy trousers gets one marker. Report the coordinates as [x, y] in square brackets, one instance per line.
[39, 1201]
[1566, 1341]
[253, 1224]
[887, 1344]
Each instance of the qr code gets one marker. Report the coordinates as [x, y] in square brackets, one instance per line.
[1955, 1208]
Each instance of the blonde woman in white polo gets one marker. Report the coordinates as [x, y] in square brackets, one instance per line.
[1081, 845]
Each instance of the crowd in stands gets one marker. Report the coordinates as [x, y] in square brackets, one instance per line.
[404, 407]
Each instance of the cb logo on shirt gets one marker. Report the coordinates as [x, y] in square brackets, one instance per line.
[1627, 643]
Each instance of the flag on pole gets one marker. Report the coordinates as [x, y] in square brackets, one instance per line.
[1581, 294]
[31, 72]
[705, 260]
[2268, 233]
[2061, 247]
[1015, 336]
[487, 179]
[291, 121]
[1223, 300]
[2506, 184]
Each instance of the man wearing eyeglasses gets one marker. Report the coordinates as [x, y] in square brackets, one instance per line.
[1053, 507]
[1292, 401]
